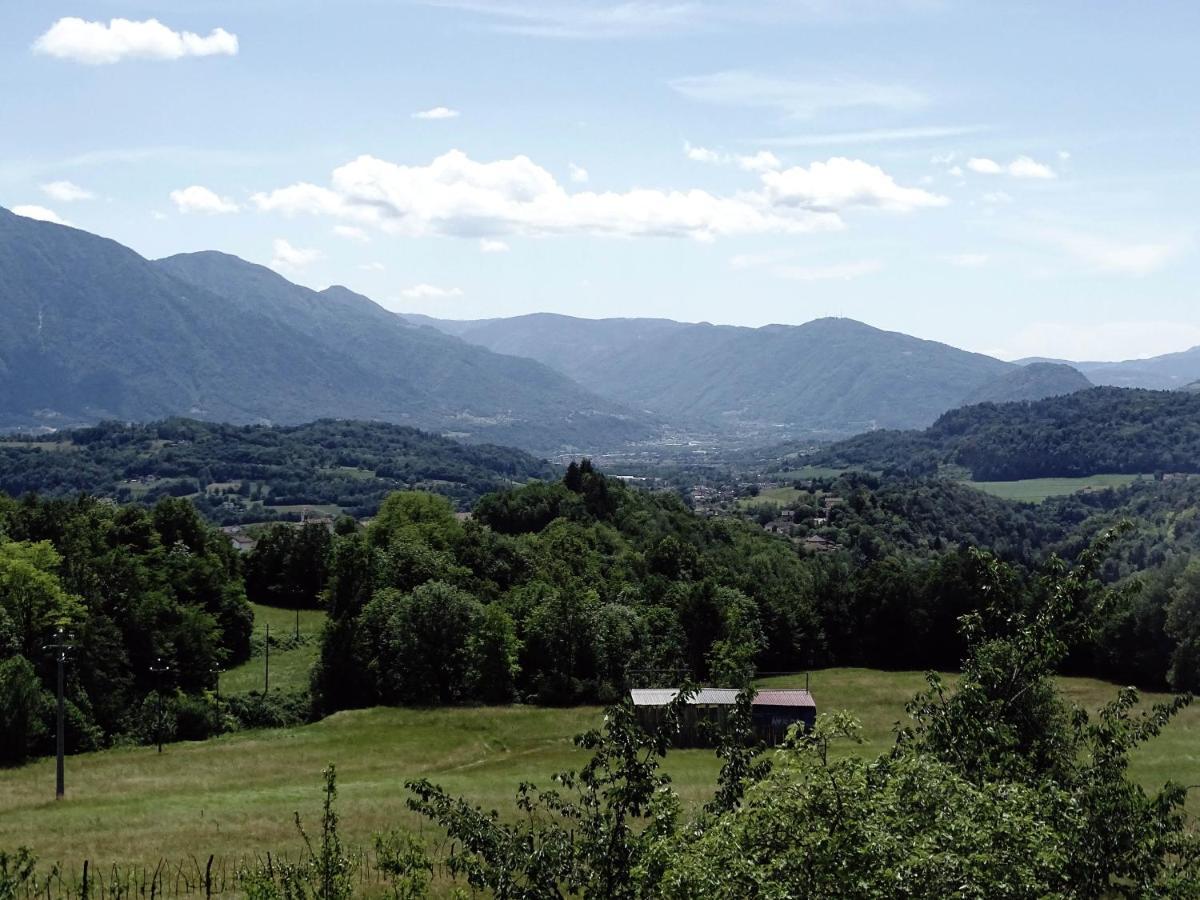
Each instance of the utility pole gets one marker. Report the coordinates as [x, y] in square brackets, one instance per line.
[215, 672]
[62, 643]
[159, 668]
[267, 661]
[297, 623]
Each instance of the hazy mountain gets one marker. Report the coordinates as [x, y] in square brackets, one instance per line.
[831, 374]
[1160, 373]
[95, 331]
[1034, 381]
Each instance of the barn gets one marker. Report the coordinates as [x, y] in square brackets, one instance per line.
[773, 712]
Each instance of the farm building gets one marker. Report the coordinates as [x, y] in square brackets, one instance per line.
[773, 712]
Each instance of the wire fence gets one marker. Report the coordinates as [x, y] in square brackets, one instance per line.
[192, 877]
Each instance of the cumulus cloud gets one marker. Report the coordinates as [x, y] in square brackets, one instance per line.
[32, 211]
[429, 291]
[762, 161]
[352, 232]
[703, 154]
[997, 198]
[579, 174]
[796, 98]
[1107, 254]
[199, 199]
[491, 245]
[66, 192]
[372, 267]
[97, 43]
[1021, 167]
[455, 195]
[285, 256]
[438, 112]
[842, 183]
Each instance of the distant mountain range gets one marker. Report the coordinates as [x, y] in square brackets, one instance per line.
[832, 375]
[94, 331]
[1160, 373]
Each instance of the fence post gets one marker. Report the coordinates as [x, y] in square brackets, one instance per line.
[208, 878]
[83, 891]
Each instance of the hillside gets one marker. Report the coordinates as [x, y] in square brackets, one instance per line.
[1101, 430]
[1035, 381]
[1159, 373]
[97, 332]
[250, 472]
[830, 375]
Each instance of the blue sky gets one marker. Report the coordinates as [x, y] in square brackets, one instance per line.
[1019, 179]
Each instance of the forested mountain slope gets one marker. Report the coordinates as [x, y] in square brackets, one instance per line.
[1099, 430]
[241, 472]
[94, 331]
[828, 375]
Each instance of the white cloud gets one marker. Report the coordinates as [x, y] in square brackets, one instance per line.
[66, 192]
[491, 245]
[1064, 155]
[579, 174]
[438, 112]
[984, 166]
[762, 161]
[373, 267]
[352, 232]
[96, 43]
[870, 136]
[429, 291]
[839, 272]
[703, 154]
[455, 195]
[606, 19]
[200, 199]
[285, 256]
[1101, 341]
[997, 198]
[1026, 167]
[968, 260]
[842, 184]
[795, 97]
[32, 211]
[1111, 255]
[1021, 167]
[158, 216]
[956, 171]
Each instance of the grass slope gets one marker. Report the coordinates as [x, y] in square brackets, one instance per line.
[289, 668]
[235, 795]
[1035, 490]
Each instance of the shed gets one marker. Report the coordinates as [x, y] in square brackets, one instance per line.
[773, 712]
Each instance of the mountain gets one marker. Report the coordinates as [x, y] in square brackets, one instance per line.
[1034, 381]
[828, 375]
[1194, 387]
[1098, 431]
[95, 331]
[1158, 373]
[252, 473]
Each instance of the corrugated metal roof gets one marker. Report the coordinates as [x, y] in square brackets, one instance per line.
[784, 698]
[720, 697]
[703, 697]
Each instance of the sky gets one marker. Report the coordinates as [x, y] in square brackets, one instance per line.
[1019, 179]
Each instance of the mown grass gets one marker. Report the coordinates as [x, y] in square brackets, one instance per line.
[234, 796]
[1035, 490]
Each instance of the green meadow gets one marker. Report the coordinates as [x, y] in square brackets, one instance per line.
[235, 796]
[1035, 490]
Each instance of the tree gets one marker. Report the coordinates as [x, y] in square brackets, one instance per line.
[23, 711]
[31, 594]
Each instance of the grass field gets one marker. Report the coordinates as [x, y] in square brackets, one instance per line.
[1035, 490]
[235, 795]
[289, 668]
[780, 496]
